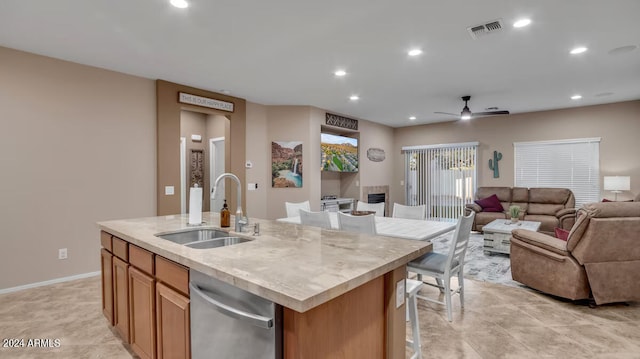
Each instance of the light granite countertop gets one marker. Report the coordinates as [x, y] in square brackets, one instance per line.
[296, 266]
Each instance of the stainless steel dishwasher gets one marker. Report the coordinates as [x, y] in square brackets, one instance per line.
[231, 323]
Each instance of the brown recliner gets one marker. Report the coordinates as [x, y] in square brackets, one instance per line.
[599, 260]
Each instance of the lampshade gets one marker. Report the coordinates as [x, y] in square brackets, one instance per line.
[617, 183]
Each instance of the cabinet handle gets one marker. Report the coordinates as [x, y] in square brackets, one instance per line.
[257, 320]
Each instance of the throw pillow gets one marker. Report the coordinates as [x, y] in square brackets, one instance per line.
[490, 204]
[562, 234]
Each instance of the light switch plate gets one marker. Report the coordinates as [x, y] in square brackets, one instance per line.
[252, 186]
[400, 293]
[168, 190]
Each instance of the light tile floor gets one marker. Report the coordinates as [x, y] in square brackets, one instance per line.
[497, 322]
[507, 322]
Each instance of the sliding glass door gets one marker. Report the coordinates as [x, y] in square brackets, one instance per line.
[442, 177]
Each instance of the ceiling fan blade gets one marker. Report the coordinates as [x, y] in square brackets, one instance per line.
[491, 113]
[447, 113]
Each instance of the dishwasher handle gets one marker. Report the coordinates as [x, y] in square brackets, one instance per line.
[257, 320]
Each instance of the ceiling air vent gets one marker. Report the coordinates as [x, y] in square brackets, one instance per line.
[490, 27]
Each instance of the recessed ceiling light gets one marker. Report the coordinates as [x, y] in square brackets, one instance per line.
[522, 23]
[354, 98]
[412, 118]
[578, 50]
[414, 52]
[576, 97]
[181, 4]
[340, 73]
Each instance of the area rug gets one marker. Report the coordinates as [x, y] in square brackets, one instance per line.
[494, 268]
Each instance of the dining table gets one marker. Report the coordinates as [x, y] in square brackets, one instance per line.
[415, 229]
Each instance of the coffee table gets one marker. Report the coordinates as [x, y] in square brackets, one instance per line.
[497, 234]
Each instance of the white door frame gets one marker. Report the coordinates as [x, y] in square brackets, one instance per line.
[183, 175]
[214, 144]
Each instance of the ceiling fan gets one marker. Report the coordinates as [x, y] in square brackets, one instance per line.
[467, 114]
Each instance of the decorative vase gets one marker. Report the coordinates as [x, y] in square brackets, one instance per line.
[514, 220]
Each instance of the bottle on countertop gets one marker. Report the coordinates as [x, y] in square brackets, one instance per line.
[225, 215]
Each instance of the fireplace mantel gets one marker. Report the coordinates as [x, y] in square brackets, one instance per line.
[366, 190]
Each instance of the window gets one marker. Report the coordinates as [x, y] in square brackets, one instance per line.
[573, 164]
[442, 177]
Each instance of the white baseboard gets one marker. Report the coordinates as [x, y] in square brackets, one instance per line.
[48, 282]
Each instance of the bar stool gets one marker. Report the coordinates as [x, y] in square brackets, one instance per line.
[412, 288]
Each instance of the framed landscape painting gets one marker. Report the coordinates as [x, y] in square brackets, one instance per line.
[286, 164]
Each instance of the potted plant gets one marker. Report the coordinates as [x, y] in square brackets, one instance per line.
[514, 211]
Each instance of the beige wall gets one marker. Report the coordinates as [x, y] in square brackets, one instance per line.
[258, 152]
[373, 135]
[617, 124]
[291, 123]
[77, 146]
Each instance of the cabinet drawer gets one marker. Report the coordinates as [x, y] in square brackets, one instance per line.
[172, 274]
[120, 249]
[105, 240]
[141, 258]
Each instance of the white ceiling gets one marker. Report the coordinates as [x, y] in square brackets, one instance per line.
[284, 52]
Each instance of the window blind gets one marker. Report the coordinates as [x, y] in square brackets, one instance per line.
[442, 177]
[573, 164]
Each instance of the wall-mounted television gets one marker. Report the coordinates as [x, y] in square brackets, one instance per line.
[339, 153]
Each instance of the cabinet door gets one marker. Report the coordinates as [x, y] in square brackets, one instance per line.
[106, 261]
[142, 309]
[172, 311]
[121, 297]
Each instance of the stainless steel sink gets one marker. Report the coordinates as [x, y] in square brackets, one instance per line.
[201, 238]
[216, 242]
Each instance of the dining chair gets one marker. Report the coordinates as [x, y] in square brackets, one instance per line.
[361, 224]
[409, 212]
[315, 219]
[377, 207]
[443, 266]
[293, 208]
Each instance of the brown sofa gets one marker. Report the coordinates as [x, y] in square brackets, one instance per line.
[552, 207]
[600, 259]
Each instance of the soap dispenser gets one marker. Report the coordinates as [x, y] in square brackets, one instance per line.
[225, 215]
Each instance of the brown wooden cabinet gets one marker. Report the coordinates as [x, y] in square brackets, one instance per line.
[106, 262]
[146, 298]
[172, 323]
[121, 297]
[142, 313]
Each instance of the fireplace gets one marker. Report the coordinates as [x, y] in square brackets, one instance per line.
[375, 197]
[376, 194]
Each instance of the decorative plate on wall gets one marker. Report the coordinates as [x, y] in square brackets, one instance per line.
[376, 154]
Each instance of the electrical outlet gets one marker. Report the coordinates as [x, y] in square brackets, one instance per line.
[62, 253]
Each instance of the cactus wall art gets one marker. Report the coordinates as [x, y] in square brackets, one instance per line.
[493, 164]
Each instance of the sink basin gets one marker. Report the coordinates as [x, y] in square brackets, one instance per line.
[202, 238]
[216, 242]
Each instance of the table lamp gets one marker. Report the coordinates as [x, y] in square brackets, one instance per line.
[617, 184]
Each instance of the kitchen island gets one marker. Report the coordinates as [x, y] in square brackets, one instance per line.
[338, 289]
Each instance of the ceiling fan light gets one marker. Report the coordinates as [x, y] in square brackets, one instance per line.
[466, 113]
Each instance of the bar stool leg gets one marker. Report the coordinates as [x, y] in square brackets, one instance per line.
[412, 289]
